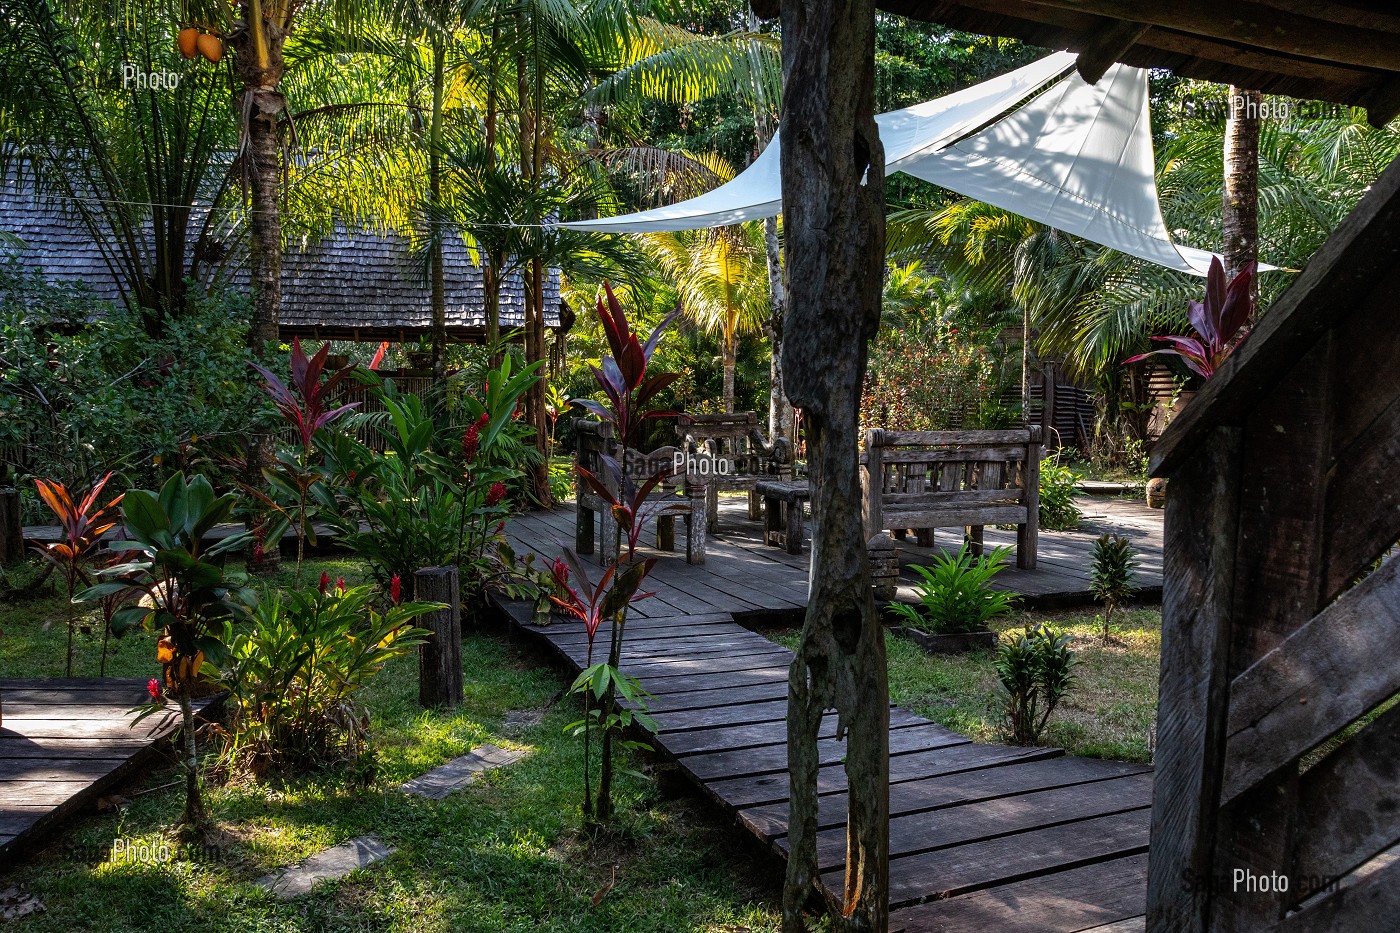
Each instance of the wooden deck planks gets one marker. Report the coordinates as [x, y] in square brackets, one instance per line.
[981, 835]
[65, 742]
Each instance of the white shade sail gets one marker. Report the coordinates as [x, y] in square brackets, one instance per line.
[1076, 157]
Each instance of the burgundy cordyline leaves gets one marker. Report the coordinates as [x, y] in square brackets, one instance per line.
[623, 374]
[591, 604]
[303, 405]
[1216, 320]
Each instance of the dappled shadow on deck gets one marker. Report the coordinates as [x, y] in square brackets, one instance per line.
[982, 837]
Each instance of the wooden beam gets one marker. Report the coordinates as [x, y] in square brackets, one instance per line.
[1323, 678]
[1369, 906]
[1254, 24]
[1100, 49]
[1347, 804]
[1197, 605]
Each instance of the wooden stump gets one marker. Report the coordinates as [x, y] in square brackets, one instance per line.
[11, 526]
[440, 657]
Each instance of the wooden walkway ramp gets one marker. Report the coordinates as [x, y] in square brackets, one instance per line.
[742, 575]
[65, 743]
[982, 837]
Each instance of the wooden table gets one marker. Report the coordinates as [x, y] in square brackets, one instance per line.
[782, 512]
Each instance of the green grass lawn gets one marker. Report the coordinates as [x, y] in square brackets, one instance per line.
[504, 854]
[1109, 714]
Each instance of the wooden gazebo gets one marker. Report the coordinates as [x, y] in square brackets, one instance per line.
[1277, 785]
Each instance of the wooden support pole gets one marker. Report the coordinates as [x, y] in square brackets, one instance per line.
[11, 526]
[834, 215]
[440, 657]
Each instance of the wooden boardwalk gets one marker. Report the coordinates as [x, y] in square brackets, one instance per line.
[982, 837]
[64, 744]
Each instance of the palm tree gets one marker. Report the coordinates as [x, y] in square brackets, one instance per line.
[721, 276]
[143, 169]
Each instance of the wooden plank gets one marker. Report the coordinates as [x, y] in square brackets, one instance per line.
[645, 670]
[953, 518]
[715, 697]
[1201, 523]
[951, 871]
[14, 747]
[752, 790]
[1068, 901]
[770, 733]
[57, 769]
[963, 498]
[1321, 679]
[1369, 906]
[1347, 804]
[688, 682]
[770, 759]
[936, 438]
[954, 455]
[736, 714]
[1001, 816]
[951, 790]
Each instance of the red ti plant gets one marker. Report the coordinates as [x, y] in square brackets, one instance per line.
[303, 405]
[601, 685]
[623, 375]
[1217, 320]
[83, 524]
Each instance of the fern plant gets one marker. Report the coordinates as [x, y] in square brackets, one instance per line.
[955, 593]
[1111, 575]
[1036, 670]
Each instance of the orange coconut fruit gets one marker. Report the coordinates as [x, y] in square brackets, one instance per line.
[188, 40]
[210, 47]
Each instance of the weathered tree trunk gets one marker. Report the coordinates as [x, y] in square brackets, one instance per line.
[258, 65]
[833, 206]
[729, 353]
[438, 282]
[195, 817]
[1240, 210]
[779, 406]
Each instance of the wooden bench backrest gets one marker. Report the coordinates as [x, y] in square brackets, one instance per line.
[920, 479]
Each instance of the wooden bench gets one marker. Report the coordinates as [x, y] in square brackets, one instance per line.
[728, 453]
[593, 513]
[923, 480]
[783, 502]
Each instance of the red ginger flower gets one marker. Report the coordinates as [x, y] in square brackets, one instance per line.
[495, 494]
[340, 585]
[325, 582]
[153, 688]
[396, 589]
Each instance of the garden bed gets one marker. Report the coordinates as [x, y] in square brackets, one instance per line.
[504, 854]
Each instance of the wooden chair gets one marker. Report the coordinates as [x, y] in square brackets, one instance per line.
[729, 453]
[592, 512]
[924, 480]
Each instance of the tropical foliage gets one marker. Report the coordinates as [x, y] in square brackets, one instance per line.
[955, 593]
[1036, 669]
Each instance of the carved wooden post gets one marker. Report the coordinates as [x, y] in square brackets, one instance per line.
[834, 213]
[440, 657]
[11, 526]
[1028, 534]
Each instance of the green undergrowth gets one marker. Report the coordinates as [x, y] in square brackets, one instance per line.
[505, 854]
[1110, 713]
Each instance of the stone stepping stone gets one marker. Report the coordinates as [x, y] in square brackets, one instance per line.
[459, 772]
[335, 862]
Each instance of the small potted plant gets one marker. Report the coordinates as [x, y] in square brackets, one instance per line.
[956, 603]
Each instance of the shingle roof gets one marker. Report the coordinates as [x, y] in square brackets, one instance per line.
[354, 285]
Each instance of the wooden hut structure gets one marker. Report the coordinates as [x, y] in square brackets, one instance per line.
[357, 285]
[1274, 774]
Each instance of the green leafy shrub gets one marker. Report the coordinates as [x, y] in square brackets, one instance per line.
[1058, 485]
[1036, 670]
[928, 381]
[1111, 574]
[955, 593]
[297, 671]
